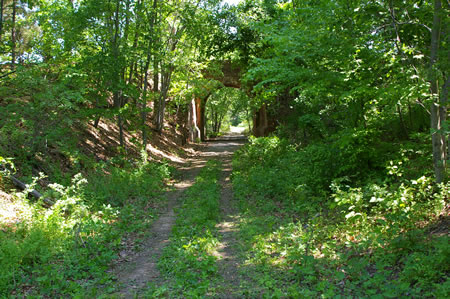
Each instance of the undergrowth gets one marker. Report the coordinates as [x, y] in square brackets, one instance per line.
[373, 235]
[65, 251]
[188, 261]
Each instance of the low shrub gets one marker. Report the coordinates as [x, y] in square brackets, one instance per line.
[67, 249]
[317, 225]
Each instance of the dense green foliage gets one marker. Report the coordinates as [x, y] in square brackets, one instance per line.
[349, 69]
[67, 68]
[348, 197]
[92, 60]
[67, 249]
[227, 107]
[39, 117]
[321, 67]
[382, 235]
[343, 202]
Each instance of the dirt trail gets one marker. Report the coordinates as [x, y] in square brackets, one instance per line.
[228, 259]
[141, 267]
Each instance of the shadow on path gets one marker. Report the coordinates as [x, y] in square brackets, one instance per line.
[228, 258]
[141, 268]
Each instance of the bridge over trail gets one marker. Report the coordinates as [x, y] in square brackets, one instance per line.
[229, 76]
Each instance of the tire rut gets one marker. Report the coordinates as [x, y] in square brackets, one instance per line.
[229, 260]
[228, 252]
[141, 268]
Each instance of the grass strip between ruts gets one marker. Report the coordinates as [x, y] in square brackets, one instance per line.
[188, 260]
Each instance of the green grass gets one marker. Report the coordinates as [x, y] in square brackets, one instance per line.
[375, 240]
[67, 250]
[188, 262]
[290, 257]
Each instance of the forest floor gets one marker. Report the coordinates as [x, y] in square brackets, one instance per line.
[136, 270]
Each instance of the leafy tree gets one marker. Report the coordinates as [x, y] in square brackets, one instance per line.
[330, 66]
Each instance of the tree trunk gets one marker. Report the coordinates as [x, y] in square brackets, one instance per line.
[402, 122]
[165, 85]
[260, 122]
[194, 121]
[156, 73]
[117, 100]
[220, 123]
[445, 138]
[144, 99]
[97, 121]
[436, 121]
[125, 38]
[152, 22]
[134, 65]
[156, 65]
[97, 106]
[247, 112]
[203, 119]
[155, 89]
[444, 104]
[117, 97]
[216, 122]
[1, 18]
[13, 34]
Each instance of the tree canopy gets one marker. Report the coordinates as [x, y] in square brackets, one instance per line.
[342, 186]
